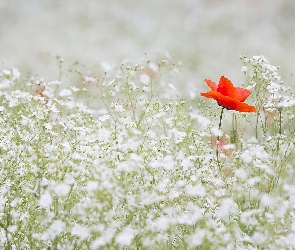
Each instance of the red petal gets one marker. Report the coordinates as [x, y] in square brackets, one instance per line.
[229, 102]
[242, 94]
[212, 85]
[226, 88]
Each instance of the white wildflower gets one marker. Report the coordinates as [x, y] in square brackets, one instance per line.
[244, 69]
[103, 135]
[4, 84]
[104, 239]
[15, 74]
[282, 209]
[227, 207]
[186, 163]
[24, 121]
[125, 237]
[48, 92]
[48, 126]
[80, 231]
[71, 104]
[74, 89]
[266, 200]
[246, 157]
[216, 131]
[197, 190]
[191, 214]
[106, 66]
[177, 135]
[91, 186]
[56, 229]
[89, 79]
[62, 189]
[285, 103]
[65, 92]
[259, 238]
[124, 167]
[104, 118]
[153, 67]
[45, 200]
[170, 121]
[145, 89]
[161, 223]
[273, 87]
[12, 228]
[6, 72]
[144, 78]
[202, 120]
[252, 181]
[241, 173]
[197, 238]
[167, 163]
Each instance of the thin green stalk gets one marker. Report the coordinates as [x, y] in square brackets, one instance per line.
[218, 138]
[234, 133]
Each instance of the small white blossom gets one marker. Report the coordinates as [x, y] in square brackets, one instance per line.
[259, 238]
[216, 131]
[244, 69]
[227, 207]
[48, 126]
[4, 84]
[106, 66]
[197, 190]
[65, 92]
[144, 78]
[153, 67]
[62, 189]
[80, 231]
[6, 72]
[91, 186]
[56, 229]
[45, 200]
[89, 79]
[12, 228]
[126, 236]
[74, 89]
[15, 74]
[197, 238]
[246, 157]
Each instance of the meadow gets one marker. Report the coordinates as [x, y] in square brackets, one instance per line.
[145, 170]
[134, 150]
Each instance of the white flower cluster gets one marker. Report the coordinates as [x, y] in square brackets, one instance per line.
[132, 169]
[262, 76]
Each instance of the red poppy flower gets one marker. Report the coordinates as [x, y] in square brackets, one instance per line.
[229, 96]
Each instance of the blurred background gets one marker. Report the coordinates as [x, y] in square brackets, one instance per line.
[206, 37]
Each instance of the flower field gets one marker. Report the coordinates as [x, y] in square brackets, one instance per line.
[190, 151]
[117, 162]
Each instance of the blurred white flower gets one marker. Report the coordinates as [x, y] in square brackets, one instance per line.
[65, 92]
[45, 200]
[144, 78]
[125, 237]
[62, 189]
[56, 229]
[80, 231]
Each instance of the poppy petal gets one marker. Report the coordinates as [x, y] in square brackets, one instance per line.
[228, 102]
[242, 94]
[212, 85]
[226, 88]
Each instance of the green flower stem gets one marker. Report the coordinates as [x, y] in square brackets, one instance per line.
[218, 138]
